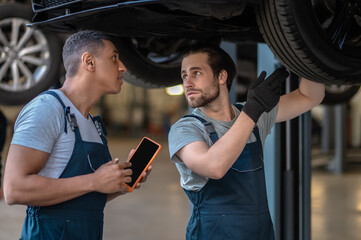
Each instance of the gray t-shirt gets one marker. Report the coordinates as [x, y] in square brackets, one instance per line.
[40, 125]
[189, 129]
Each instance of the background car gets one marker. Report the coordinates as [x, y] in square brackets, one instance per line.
[30, 59]
[317, 39]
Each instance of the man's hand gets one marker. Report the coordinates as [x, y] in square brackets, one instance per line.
[109, 177]
[125, 188]
[144, 174]
[144, 177]
[264, 94]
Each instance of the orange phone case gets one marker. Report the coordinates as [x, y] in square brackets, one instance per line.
[130, 189]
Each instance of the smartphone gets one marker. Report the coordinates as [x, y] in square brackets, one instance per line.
[141, 159]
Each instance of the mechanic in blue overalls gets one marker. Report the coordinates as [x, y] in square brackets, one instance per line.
[218, 149]
[3, 127]
[58, 162]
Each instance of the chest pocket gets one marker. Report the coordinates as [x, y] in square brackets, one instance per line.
[250, 160]
[96, 159]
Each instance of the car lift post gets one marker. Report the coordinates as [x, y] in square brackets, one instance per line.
[337, 129]
[288, 165]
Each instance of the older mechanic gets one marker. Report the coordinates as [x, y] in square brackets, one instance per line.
[58, 162]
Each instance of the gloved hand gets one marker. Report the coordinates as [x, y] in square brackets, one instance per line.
[263, 95]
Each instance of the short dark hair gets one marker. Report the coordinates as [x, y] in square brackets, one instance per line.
[218, 60]
[79, 43]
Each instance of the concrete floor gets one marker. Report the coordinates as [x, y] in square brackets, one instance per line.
[159, 210]
[336, 198]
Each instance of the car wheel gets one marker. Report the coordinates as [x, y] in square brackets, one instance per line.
[29, 58]
[317, 39]
[152, 62]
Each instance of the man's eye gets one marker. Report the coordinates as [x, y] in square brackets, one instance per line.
[184, 77]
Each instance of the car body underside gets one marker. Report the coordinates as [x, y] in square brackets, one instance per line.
[316, 39]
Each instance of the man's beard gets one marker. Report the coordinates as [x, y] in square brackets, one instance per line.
[207, 95]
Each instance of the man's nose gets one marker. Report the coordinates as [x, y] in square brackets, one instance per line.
[121, 67]
[188, 82]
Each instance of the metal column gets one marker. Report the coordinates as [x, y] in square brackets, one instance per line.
[266, 61]
[287, 166]
[339, 162]
[295, 158]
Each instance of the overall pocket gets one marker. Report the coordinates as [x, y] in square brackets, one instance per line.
[226, 226]
[248, 161]
[95, 160]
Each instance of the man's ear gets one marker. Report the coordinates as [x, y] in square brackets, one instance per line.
[88, 61]
[222, 77]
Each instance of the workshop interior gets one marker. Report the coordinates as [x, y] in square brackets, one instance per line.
[312, 162]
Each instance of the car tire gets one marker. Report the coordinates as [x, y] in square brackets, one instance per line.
[153, 62]
[29, 64]
[299, 38]
[143, 71]
[336, 94]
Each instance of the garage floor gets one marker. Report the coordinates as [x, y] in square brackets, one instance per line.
[160, 210]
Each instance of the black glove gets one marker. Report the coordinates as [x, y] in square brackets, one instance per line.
[263, 95]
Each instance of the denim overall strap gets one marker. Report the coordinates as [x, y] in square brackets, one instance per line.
[208, 126]
[66, 109]
[78, 218]
[100, 128]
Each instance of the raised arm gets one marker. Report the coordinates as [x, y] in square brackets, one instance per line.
[308, 95]
[214, 162]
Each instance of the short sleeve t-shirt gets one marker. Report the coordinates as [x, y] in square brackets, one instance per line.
[40, 125]
[189, 129]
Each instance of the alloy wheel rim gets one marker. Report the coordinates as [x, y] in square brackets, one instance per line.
[24, 55]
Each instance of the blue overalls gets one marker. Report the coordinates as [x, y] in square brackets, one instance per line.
[234, 207]
[81, 217]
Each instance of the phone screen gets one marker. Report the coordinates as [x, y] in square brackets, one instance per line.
[141, 157]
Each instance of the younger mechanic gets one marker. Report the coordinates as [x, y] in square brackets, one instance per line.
[218, 150]
[58, 163]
